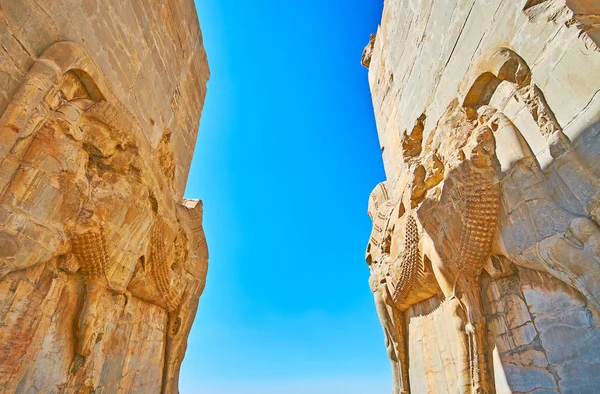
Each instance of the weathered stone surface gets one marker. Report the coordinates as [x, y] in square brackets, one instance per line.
[102, 262]
[485, 250]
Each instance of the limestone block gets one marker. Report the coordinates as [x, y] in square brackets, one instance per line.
[488, 115]
[102, 262]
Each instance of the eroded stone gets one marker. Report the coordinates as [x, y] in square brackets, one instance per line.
[102, 262]
[501, 177]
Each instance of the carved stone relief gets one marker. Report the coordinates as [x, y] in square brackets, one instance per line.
[496, 207]
[87, 209]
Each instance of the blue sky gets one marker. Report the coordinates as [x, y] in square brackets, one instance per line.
[286, 157]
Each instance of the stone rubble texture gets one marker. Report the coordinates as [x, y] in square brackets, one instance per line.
[485, 249]
[102, 261]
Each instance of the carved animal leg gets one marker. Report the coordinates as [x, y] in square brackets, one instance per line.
[172, 351]
[480, 353]
[88, 316]
[457, 316]
[396, 368]
[402, 350]
[89, 247]
[475, 329]
[394, 340]
[477, 358]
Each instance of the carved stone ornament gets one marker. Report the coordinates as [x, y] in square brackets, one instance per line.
[485, 249]
[95, 249]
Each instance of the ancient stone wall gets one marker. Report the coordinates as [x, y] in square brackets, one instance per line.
[102, 262]
[488, 114]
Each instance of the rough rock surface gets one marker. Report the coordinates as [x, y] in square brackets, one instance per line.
[102, 262]
[485, 250]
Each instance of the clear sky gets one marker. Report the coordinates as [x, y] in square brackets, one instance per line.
[286, 157]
